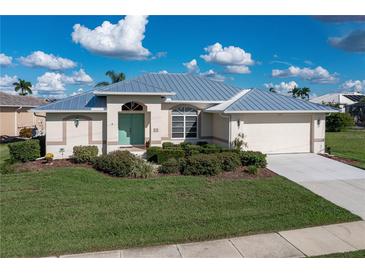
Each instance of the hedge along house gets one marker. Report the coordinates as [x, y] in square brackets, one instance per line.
[156, 108]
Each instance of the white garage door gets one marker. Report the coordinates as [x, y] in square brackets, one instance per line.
[277, 133]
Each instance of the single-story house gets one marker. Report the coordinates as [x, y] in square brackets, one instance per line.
[156, 108]
[342, 99]
[357, 111]
[15, 115]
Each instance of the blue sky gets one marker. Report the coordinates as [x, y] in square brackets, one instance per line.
[59, 58]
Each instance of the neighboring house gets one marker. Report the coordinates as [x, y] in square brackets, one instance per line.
[15, 115]
[358, 112]
[342, 99]
[157, 108]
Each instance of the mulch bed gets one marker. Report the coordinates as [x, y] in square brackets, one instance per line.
[340, 159]
[40, 165]
[241, 173]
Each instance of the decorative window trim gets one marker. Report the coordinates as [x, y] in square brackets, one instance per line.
[132, 106]
[184, 111]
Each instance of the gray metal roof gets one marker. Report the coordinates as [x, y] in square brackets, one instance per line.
[131, 86]
[20, 101]
[81, 102]
[189, 87]
[258, 100]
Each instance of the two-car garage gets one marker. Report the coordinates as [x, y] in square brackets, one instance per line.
[280, 132]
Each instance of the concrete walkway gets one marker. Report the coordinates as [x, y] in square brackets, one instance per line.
[297, 243]
[342, 184]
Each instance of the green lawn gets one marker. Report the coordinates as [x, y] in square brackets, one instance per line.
[4, 153]
[349, 144]
[72, 210]
[352, 254]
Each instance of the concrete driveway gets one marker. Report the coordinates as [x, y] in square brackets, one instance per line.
[339, 183]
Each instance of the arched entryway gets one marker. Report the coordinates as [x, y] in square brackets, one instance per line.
[131, 124]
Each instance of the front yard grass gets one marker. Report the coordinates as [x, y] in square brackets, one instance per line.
[4, 153]
[73, 210]
[351, 254]
[349, 144]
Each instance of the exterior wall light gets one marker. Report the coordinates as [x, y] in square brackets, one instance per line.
[76, 122]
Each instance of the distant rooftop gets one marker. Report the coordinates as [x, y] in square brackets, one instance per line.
[10, 100]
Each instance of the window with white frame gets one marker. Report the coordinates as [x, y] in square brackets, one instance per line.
[184, 123]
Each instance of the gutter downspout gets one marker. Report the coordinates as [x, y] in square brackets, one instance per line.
[229, 128]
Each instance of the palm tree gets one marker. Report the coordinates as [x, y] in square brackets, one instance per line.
[305, 93]
[272, 90]
[114, 76]
[302, 93]
[23, 86]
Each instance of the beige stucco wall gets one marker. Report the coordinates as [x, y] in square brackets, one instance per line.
[318, 133]
[13, 119]
[62, 132]
[8, 124]
[220, 129]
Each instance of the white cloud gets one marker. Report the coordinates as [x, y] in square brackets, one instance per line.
[354, 85]
[122, 40]
[213, 75]
[80, 77]
[79, 91]
[54, 83]
[51, 81]
[192, 66]
[7, 81]
[283, 87]
[44, 60]
[238, 69]
[235, 59]
[163, 72]
[317, 75]
[5, 60]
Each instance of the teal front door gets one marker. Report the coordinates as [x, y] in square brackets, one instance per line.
[131, 129]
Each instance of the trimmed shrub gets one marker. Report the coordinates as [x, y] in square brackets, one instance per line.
[167, 145]
[191, 149]
[160, 155]
[28, 150]
[252, 169]
[116, 163]
[211, 148]
[170, 166]
[151, 154]
[142, 169]
[229, 160]
[26, 132]
[202, 143]
[254, 158]
[336, 122]
[84, 154]
[201, 164]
